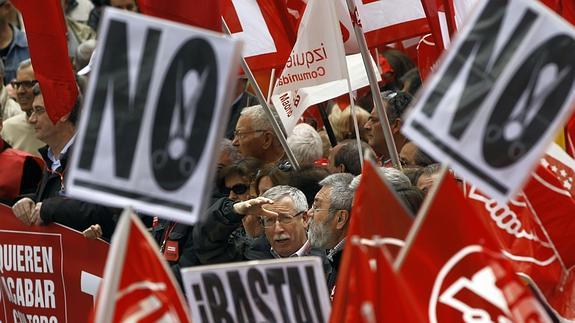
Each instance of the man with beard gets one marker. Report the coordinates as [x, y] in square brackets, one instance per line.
[329, 220]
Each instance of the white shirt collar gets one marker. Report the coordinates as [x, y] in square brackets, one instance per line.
[303, 251]
[56, 162]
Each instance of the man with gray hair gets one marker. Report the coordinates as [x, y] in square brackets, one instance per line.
[283, 210]
[306, 144]
[329, 219]
[254, 136]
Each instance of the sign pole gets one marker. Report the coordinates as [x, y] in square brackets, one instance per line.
[280, 133]
[384, 121]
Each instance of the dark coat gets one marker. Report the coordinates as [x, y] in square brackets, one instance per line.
[212, 243]
[76, 214]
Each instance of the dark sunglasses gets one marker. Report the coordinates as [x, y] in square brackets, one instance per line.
[238, 189]
[25, 84]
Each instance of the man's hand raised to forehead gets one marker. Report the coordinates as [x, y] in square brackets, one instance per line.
[254, 207]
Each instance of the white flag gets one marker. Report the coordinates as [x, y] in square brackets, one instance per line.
[317, 57]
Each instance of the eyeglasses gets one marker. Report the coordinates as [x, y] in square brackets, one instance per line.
[25, 84]
[270, 222]
[242, 134]
[37, 110]
[238, 189]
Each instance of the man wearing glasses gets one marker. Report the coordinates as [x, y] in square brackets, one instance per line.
[283, 210]
[17, 131]
[254, 136]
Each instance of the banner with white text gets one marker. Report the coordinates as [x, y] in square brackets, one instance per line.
[47, 273]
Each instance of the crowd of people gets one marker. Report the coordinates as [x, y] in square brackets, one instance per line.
[262, 207]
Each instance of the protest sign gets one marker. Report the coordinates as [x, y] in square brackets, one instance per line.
[503, 89]
[46, 273]
[153, 115]
[287, 290]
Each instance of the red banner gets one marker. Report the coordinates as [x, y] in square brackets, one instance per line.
[465, 275]
[46, 34]
[47, 273]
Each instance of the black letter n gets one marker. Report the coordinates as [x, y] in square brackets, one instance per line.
[112, 79]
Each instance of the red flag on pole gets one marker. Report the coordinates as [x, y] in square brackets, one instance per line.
[46, 34]
[133, 292]
[465, 276]
[367, 289]
[204, 14]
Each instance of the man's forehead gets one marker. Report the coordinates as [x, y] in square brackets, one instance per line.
[244, 123]
[25, 74]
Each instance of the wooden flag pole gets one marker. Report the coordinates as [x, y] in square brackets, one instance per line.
[384, 121]
[280, 133]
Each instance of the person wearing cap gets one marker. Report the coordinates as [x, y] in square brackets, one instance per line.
[13, 43]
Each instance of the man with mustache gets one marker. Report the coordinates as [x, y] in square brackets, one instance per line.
[283, 210]
[329, 220]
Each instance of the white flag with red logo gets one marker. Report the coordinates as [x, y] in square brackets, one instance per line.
[383, 22]
[137, 286]
[316, 58]
[265, 29]
[465, 278]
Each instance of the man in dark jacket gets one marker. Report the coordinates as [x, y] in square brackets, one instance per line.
[329, 219]
[49, 204]
[283, 210]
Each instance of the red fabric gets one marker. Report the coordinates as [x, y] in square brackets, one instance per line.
[464, 273]
[144, 292]
[396, 32]
[46, 34]
[277, 22]
[568, 10]
[204, 14]
[427, 56]
[367, 289]
[554, 205]
[526, 246]
[12, 161]
[76, 264]
[431, 8]
[569, 132]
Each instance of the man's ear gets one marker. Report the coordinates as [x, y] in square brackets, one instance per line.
[305, 217]
[64, 118]
[268, 140]
[341, 218]
[396, 125]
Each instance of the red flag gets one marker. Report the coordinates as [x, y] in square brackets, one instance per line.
[135, 292]
[522, 241]
[264, 27]
[367, 289]
[46, 34]
[432, 8]
[204, 14]
[465, 276]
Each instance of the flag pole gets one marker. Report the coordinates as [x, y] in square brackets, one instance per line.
[349, 88]
[419, 219]
[322, 108]
[279, 131]
[384, 121]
